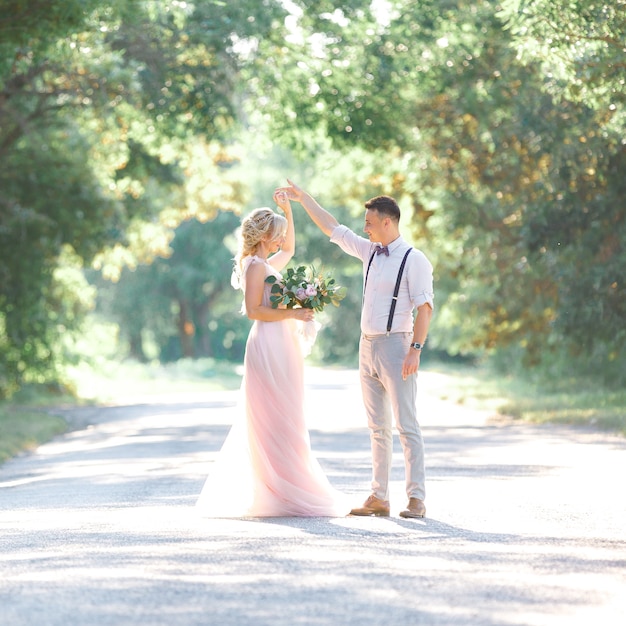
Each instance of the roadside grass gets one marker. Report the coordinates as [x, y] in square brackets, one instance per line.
[573, 401]
[23, 429]
[28, 419]
[112, 381]
[598, 408]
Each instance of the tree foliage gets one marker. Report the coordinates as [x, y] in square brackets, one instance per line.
[499, 126]
[580, 46]
[104, 107]
[512, 170]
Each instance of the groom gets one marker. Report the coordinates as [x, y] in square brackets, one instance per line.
[398, 280]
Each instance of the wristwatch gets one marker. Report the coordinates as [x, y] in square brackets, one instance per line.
[417, 346]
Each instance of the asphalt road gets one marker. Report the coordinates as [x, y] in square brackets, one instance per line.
[526, 525]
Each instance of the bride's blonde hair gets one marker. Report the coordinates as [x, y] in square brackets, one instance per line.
[261, 224]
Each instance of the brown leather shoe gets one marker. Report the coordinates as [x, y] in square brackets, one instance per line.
[415, 508]
[373, 506]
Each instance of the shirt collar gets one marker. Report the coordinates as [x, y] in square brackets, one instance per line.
[396, 243]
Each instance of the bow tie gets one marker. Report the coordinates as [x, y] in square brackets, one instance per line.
[382, 250]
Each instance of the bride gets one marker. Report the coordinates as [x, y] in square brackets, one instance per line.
[265, 467]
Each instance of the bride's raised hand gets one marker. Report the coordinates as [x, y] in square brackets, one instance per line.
[282, 200]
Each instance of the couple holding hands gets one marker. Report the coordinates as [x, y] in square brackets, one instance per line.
[265, 467]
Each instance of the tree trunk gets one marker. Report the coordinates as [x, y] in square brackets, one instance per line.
[202, 316]
[136, 347]
[186, 330]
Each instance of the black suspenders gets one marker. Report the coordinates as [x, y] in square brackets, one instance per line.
[396, 289]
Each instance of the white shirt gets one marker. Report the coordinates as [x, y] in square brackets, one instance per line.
[416, 287]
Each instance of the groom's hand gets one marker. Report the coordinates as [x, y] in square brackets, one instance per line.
[293, 192]
[322, 218]
[411, 363]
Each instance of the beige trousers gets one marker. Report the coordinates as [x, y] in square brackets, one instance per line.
[385, 394]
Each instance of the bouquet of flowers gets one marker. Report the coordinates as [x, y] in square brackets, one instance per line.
[305, 288]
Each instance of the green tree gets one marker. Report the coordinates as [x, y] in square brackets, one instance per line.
[517, 190]
[580, 46]
[100, 107]
[179, 299]
[583, 63]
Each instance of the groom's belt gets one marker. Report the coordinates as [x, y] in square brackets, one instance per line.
[369, 336]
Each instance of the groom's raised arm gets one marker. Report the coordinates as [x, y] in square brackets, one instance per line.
[320, 216]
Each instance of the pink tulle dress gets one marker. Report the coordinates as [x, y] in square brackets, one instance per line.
[265, 467]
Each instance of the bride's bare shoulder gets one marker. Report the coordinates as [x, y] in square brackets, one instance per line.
[254, 267]
[252, 261]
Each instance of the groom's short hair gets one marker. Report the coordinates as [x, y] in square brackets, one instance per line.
[386, 205]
